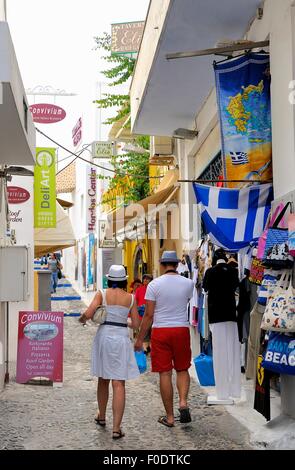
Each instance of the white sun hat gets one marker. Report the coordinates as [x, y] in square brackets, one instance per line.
[117, 273]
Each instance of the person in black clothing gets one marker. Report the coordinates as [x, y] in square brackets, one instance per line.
[221, 282]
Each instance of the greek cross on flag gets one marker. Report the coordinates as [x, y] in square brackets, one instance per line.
[239, 158]
[234, 217]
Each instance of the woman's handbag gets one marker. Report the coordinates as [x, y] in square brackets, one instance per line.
[59, 273]
[141, 361]
[276, 254]
[279, 314]
[269, 223]
[100, 314]
[280, 354]
[256, 271]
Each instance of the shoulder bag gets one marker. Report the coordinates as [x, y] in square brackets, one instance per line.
[279, 314]
[100, 314]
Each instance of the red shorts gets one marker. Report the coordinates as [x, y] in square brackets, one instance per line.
[170, 348]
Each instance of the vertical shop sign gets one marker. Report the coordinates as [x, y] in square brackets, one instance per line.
[77, 133]
[44, 189]
[40, 346]
[91, 198]
[243, 95]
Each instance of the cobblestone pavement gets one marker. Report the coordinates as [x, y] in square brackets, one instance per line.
[43, 417]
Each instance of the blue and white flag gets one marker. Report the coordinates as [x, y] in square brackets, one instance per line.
[239, 158]
[234, 217]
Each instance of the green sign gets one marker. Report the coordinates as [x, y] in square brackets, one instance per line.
[103, 149]
[44, 189]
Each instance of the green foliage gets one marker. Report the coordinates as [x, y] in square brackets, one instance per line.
[135, 165]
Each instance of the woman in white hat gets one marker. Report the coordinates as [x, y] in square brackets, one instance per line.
[113, 354]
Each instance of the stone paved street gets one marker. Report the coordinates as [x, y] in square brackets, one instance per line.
[43, 417]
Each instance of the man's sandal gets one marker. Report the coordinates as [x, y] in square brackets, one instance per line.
[118, 434]
[100, 422]
[185, 416]
[163, 420]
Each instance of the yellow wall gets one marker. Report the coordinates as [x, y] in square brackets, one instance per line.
[130, 250]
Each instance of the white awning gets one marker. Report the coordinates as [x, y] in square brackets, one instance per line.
[48, 240]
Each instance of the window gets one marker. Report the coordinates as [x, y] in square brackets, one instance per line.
[213, 171]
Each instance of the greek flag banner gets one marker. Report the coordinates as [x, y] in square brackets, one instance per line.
[239, 158]
[234, 217]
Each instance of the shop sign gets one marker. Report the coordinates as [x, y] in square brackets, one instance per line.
[17, 195]
[91, 198]
[77, 133]
[40, 346]
[47, 113]
[126, 37]
[103, 149]
[105, 242]
[44, 189]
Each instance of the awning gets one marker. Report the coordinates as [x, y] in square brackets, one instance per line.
[168, 94]
[66, 179]
[167, 189]
[65, 204]
[48, 240]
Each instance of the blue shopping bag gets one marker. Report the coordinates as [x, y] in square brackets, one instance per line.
[141, 361]
[204, 370]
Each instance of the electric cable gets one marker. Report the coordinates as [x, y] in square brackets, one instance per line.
[77, 156]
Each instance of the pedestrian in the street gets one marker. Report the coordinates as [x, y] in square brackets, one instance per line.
[113, 357]
[54, 265]
[166, 310]
[135, 285]
[141, 302]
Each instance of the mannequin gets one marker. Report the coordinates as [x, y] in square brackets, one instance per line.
[221, 282]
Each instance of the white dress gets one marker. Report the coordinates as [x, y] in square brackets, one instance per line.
[112, 353]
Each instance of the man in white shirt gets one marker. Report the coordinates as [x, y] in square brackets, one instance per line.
[166, 309]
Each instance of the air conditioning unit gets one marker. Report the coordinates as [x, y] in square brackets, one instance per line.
[161, 146]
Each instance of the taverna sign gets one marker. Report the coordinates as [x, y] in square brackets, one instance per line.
[47, 113]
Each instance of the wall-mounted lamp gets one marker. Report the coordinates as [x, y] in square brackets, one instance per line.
[181, 133]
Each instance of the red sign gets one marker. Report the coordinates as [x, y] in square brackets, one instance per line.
[17, 195]
[40, 346]
[47, 113]
[77, 133]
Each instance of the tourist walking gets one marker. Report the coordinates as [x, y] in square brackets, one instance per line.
[54, 265]
[113, 356]
[166, 310]
[141, 302]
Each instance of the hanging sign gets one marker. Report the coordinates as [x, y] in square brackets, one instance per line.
[47, 113]
[103, 149]
[44, 189]
[77, 133]
[40, 346]
[243, 95]
[126, 37]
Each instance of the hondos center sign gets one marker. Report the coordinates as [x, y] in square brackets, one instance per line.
[47, 113]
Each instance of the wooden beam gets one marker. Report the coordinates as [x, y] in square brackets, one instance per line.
[218, 50]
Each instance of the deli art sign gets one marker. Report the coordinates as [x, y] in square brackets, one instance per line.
[126, 37]
[91, 198]
[47, 113]
[44, 189]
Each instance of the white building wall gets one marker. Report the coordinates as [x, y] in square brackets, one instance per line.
[2, 10]
[22, 221]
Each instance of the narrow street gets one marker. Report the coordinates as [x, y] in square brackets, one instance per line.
[41, 417]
